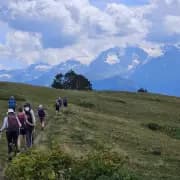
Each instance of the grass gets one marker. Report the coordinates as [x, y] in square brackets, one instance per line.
[114, 121]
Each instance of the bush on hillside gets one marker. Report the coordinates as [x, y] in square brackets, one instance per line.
[142, 90]
[58, 165]
[154, 126]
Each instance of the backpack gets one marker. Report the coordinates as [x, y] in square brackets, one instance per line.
[22, 119]
[12, 123]
[12, 103]
[41, 113]
[60, 102]
[29, 116]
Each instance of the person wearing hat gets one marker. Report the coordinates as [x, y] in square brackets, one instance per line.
[11, 124]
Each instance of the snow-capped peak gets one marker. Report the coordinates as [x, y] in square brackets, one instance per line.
[112, 59]
[42, 67]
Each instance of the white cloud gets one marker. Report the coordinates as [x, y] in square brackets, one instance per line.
[162, 14]
[5, 76]
[78, 30]
[127, 20]
[172, 24]
[54, 30]
[21, 46]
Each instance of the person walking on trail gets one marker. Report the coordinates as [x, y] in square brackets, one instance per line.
[30, 124]
[41, 115]
[58, 105]
[65, 103]
[60, 102]
[22, 135]
[11, 124]
[12, 103]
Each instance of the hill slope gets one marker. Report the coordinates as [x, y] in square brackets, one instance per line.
[117, 121]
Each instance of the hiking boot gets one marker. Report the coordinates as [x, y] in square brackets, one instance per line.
[9, 158]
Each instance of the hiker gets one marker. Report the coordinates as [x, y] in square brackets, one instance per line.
[58, 105]
[41, 115]
[30, 124]
[60, 102]
[12, 103]
[11, 124]
[22, 134]
[65, 103]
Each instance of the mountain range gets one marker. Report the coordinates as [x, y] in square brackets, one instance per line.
[114, 69]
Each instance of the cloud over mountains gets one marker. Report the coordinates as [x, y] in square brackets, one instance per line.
[53, 31]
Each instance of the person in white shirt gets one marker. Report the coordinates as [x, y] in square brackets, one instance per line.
[12, 125]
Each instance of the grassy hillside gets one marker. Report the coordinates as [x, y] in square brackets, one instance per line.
[143, 128]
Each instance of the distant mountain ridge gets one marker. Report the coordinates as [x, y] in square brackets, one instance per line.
[114, 69]
[162, 74]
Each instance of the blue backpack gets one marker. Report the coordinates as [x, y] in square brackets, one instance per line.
[12, 103]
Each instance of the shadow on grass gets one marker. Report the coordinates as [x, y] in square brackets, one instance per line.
[173, 132]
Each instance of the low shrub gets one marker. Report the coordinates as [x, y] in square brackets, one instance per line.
[55, 164]
[154, 126]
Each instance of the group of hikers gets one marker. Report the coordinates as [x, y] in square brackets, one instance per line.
[20, 125]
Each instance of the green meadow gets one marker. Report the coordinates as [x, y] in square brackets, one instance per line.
[143, 129]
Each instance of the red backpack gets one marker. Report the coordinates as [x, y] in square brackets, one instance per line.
[22, 119]
[12, 123]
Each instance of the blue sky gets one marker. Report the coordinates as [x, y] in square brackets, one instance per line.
[53, 31]
[102, 3]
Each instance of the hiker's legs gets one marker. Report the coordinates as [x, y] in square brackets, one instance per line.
[28, 143]
[57, 109]
[22, 139]
[9, 141]
[15, 135]
[42, 120]
[29, 137]
[43, 124]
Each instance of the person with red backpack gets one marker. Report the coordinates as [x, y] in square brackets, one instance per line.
[41, 115]
[11, 124]
[22, 136]
[30, 124]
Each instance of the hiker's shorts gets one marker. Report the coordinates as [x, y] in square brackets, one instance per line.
[42, 119]
[22, 131]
